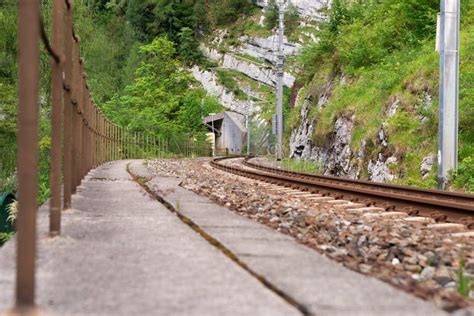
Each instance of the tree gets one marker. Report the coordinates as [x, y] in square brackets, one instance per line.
[188, 46]
[292, 18]
[160, 100]
[271, 15]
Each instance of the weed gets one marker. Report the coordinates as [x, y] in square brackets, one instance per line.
[464, 284]
[4, 237]
[12, 212]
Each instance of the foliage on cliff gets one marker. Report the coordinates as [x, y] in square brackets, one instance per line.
[384, 53]
[114, 40]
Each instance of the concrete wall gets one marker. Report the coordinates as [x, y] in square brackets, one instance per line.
[233, 137]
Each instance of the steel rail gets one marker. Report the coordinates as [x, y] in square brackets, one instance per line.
[456, 200]
[438, 207]
[456, 195]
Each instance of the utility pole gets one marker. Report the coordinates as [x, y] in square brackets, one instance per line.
[280, 63]
[448, 41]
[249, 115]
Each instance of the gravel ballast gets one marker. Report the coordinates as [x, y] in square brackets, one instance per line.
[407, 254]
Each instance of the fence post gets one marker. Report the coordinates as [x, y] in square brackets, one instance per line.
[68, 108]
[28, 86]
[56, 120]
[94, 136]
[84, 151]
[80, 118]
[75, 119]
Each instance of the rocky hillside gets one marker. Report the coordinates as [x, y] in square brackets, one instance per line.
[370, 108]
[361, 85]
[242, 57]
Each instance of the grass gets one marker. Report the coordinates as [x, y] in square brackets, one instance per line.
[4, 237]
[306, 166]
[226, 79]
[252, 59]
[408, 76]
[464, 284]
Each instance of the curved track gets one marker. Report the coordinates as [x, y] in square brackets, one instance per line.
[440, 205]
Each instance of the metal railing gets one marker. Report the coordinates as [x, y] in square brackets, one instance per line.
[82, 137]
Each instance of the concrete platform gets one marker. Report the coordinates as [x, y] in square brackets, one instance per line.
[122, 253]
[323, 286]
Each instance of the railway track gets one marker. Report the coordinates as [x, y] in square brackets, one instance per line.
[442, 206]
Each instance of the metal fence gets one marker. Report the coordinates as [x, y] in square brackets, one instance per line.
[82, 137]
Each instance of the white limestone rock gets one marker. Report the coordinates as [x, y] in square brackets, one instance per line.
[379, 169]
[208, 80]
[306, 8]
[427, 165]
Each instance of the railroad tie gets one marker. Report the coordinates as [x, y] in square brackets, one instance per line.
[370, 209]
[469, 234]
[339, 202]
[321, 199]
[343, 207]
[385, 215]
[447, 227]
[419, 220]
[309, 195]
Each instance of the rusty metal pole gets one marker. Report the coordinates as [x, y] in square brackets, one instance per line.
[117, 144]
[101, 139]
[145, 142]
[109, 132]
[80, 119]
[85, 151]
[92, 134]
[68, 107]
[92, 165]
[114, 131]
[88, 134]
[97, 137]
[142, 137]
[112, 141]
[104, 140]
[94, 137]
[57, 108]
[122, 149]
[107, 140]
[127, 144]
[83, 132]
[75, 119]
[134, 145]
[27, 140]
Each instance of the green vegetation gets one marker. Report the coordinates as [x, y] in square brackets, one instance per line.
[292, 17]
[304, 166]
[4, 237]
[385, 52]
[159, 101]
[226, 79]
[464, 282]
[137, 88]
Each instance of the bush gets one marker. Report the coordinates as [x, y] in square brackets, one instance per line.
[463, 178]
[271, 15]
[362, 33]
